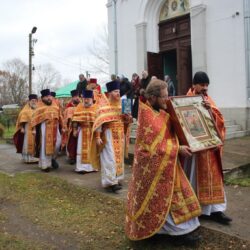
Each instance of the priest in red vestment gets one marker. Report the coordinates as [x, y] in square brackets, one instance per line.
[205, 168]
[160, 198]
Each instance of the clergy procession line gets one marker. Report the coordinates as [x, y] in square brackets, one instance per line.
[170, 186]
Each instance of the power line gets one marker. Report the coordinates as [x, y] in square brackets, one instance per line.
[59, 60]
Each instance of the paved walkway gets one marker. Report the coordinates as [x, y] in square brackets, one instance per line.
[236, 153]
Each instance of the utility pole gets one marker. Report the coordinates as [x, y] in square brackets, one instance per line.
[31, 53]
[87, 74]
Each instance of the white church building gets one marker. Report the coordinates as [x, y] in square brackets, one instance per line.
[180, 37]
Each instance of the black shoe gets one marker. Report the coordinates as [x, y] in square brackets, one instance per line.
[72, 161]
[46, 170]
[81, 172]
[54, 164]
[220, 217]
[189, 239]
[116, 187]
[113, 188]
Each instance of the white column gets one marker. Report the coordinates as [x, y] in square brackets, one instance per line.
[141, 46]
[111, 36]
[198, 37]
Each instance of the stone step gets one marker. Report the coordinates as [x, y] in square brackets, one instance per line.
[230, 122]
[237, 134]
[233, 128]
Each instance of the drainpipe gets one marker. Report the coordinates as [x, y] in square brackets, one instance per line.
[115, 37]
[247, 43]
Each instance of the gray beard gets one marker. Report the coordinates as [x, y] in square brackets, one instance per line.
[32, 106]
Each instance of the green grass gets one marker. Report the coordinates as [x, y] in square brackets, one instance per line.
[239, 176]
[92, 219]
[8, 133]
[68, 210]
[243, 182]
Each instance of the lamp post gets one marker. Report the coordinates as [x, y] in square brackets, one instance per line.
[31, 53]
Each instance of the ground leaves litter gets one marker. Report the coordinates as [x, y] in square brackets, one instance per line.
[38, 211]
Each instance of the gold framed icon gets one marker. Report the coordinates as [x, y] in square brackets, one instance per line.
[193, 123]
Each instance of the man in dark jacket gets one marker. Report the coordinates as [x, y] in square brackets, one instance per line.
[125, 86]
[81, 85]
[145, 79]
[144, 83]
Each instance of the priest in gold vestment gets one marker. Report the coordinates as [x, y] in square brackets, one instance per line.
[110, 128]
[23, 138]
[45, 123]
[82, 123]
[67, 125]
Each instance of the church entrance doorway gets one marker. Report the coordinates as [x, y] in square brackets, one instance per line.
[175, 57]
[170, 66]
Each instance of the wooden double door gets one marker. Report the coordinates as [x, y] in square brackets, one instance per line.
[175, 57]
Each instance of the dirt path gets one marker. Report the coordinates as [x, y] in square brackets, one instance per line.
[238, 207]
[20, 226]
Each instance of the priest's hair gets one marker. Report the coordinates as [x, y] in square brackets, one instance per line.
[154, 88]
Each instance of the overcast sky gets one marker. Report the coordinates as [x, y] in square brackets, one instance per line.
[65, 29]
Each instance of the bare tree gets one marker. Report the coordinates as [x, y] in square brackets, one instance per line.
[4, 97]
[46, 77]
[99, 52]
[14, 82]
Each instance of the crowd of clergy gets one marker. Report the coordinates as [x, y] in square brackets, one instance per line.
[170, 186]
